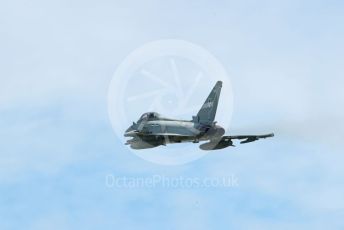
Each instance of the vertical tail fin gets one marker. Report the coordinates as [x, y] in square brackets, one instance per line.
[206, 115]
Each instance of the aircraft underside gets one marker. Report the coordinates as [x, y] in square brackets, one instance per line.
[144, 142]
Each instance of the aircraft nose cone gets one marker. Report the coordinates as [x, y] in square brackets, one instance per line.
[130, 132]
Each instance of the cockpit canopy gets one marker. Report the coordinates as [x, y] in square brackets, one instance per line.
[149, 116]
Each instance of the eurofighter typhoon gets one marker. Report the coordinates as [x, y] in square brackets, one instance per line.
[153, 130]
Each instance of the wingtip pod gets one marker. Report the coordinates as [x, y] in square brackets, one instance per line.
[270, 135]
[256, 138]
[266, 135]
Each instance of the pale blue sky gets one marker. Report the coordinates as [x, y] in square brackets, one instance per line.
[285, 59]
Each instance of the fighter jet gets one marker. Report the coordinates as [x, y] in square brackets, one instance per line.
[153, 130]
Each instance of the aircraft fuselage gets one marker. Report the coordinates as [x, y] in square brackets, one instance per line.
[175, 131]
